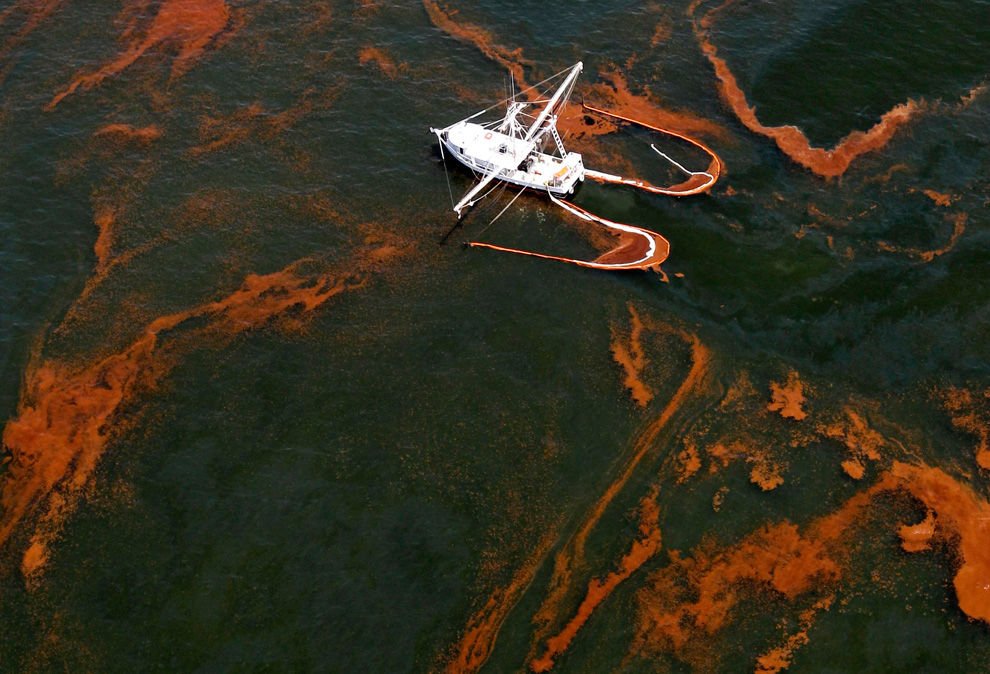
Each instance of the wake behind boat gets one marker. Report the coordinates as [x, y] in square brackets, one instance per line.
[523, 147]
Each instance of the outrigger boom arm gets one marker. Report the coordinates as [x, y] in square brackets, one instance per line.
[465, 201]
[563, 91]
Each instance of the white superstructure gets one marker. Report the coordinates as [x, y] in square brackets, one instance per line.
[505, 149]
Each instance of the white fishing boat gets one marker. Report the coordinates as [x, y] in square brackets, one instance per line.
[523, 147]
[518, 148]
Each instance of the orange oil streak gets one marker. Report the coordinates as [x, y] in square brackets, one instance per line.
[690, 463]
[854, 468]
[766, 474]
[615, 94]
[693, 597]
[958, 221]
[971, 414]
[790, 139]
[368, 7]
[510, 59]
[641, 550]
[192, 24]
[571, 556]
[144, 134]
[381, 59]
[253, 120]
[778, 659]
[939, 198]
[67, 414]
[788, 398]
[632, 359]
[663, 31]
[855, 433]
[475, 646]
[104, 217]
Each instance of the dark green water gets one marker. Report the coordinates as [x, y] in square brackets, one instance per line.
[341, 489]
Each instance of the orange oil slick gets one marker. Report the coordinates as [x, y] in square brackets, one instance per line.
[192, 25]
[886, 176]
[970, 412]
[862, 442]
[510, 59]
[958, 221]
[642, 549]
[105, 218]
[721, 454]
[739, 395]
[382, 60]
[68, 413]
[957, 508]
[692, 598]
[790, 139]
[788, 398]
[683, 604]
[614, 93]
[255, 121]
[766, 475]
[778, 659]
[143, 135]
[632, 358]
[689, 463]
[630, 248]
[478, 640]
[369, 6]
[939, 198]
[718, 498]
[663, 31]
[917, 537]
[570, 559]
[854, 468]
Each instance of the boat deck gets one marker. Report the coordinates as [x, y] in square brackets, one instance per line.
[517, 161]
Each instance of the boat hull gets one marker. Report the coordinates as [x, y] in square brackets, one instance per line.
[485, 151]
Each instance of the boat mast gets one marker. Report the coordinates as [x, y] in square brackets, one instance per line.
[533, 134]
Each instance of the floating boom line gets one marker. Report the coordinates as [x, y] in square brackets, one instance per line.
[699, 182]
[638, 248]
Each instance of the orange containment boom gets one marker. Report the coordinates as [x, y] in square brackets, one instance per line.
[698, 182]
[638, 248]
